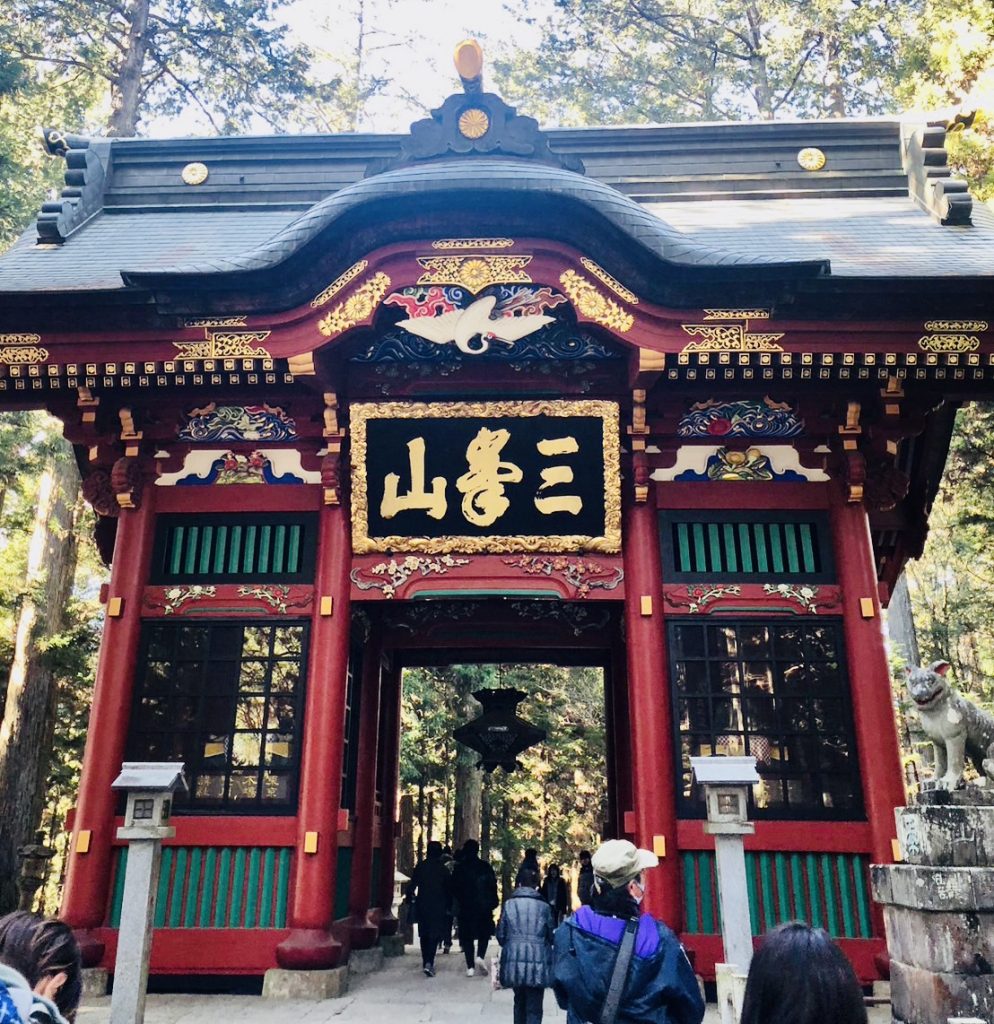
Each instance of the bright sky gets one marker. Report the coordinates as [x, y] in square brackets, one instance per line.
[423, 72]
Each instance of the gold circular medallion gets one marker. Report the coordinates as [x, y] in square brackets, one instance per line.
[195, 174]
[811, 158]
[473, 123]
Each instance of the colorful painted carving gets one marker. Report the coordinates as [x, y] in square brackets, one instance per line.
[395, 573]
[447, 315]
[577, 572]
[237, 423]
[750, 465]
[238, 468]
[743, 418]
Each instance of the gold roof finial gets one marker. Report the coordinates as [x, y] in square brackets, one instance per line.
[468, 59]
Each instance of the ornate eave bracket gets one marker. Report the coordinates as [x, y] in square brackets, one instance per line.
[930, 180]
[81, 197]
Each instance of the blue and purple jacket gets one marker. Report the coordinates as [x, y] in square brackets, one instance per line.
[660, 987]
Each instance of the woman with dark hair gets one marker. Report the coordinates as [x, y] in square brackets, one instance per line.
[555, 892]
[525, 935]
[430, 893]
[41, 975]
[799, 976]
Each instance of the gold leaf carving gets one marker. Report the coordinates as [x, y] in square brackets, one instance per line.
[730, 338]
[592, 305]
[949, 343]
[339, 283]
[225, 345]
[736, 314]
[357, 307]
[609, 542]
[605, 278]
[18, 350]
[474, 272]
[955, 326]
[220, 321]
[473, 243]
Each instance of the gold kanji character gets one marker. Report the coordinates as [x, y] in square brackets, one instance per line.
[482, 486]
[417, 497]
[554, 475]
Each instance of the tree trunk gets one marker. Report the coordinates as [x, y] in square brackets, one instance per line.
[485, 820]
[431, 816]
[405, 848]
[506, 851]
[901, 624]
[469, 778]
[760, 77]
[833, 76]
[29, 709]
[126, 90]
[421, 819]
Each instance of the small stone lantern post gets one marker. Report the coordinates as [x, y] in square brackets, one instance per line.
[150, 786]
[34, 858]
[726, 782]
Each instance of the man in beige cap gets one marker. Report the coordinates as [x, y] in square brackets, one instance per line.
[614, 963]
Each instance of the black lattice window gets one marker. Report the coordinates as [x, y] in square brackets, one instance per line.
[221, 548]
[778, 691]
[226, 698]
[751, 546]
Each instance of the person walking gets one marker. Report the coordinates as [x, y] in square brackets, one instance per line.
[524, 932]
[799, 976]
[555, 892]
[611, 962]
[585, 879]
[528, 863]
[475, 887]
[430, 893]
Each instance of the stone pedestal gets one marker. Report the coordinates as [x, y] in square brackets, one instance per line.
[282, 984]
[392, 945]
[939, 909]
[95, 982]
[365, 961]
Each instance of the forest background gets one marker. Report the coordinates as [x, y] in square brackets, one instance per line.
[176, 67]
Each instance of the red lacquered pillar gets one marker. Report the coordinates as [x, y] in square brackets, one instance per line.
[85, 898]
[390, 777]
[869, 676]
[653, 774]
[310, 945]
[364, 934]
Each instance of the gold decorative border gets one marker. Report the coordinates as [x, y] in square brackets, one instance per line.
[613, 283]
[19, 339]
[608, 543]
[729, 338]
[21, 355]
[949, 343]
[592, 305]
[217, 321]
[225, 345]
[944, 326]
[474, 272]
[357, 307]
[736, 314]
[339, 283]
[473, 243]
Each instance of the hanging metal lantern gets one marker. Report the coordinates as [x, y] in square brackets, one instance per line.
[499, 735]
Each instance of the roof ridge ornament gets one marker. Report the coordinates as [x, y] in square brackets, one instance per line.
[84, 178]
[475, 123]
[930, 179]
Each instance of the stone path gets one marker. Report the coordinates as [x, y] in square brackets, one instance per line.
[398, 994]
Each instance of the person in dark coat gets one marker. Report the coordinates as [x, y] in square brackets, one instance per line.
[475, 887]
[430, 892]
[524, 932]
[585, 879]
[660, 987]
[555, 892]
[529, 863]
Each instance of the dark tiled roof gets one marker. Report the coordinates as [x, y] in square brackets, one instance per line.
[725, 196]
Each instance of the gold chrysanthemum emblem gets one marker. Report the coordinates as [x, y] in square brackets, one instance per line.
[473, 123]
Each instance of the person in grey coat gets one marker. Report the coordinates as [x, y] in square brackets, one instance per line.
[525, 935]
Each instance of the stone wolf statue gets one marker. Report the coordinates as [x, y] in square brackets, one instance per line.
[957, 728]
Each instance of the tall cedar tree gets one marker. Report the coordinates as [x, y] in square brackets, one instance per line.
[229, 59]
[653, 61]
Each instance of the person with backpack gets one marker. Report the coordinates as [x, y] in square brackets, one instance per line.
[613, 963]
[475, 886]
[524, 932]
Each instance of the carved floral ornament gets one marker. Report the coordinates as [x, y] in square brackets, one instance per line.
[21, 350]
[357, 308]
